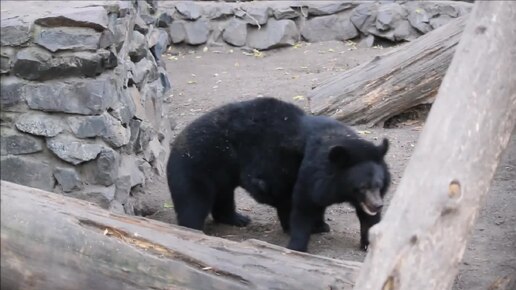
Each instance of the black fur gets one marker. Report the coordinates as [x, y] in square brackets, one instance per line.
[297, 163]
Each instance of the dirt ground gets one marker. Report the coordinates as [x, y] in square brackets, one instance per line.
[206, 78]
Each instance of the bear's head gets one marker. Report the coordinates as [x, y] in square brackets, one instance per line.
[360, 174]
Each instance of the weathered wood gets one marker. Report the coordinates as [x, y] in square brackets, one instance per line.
[423, 235]
[49, 241]
[392, 83]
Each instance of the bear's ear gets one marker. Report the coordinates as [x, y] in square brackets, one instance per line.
[384, 147]
[338, 155]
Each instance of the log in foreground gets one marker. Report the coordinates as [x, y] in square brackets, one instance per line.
[49, 241]
[392, 83]
[422, 238]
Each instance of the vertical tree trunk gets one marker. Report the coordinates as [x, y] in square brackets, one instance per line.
[422, 238]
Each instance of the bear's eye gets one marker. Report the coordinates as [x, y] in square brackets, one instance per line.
[362, 187]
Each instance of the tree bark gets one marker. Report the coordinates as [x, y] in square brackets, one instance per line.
[423, 235]
[392, 83]
[49, 241]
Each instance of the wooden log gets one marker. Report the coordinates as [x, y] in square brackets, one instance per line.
[392, 83]
[49, 241]
[422, 238]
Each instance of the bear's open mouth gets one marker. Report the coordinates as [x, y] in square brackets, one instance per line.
[367, 209]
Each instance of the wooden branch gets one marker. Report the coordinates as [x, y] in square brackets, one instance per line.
[422, 238]
[49, 241]
[392, 83]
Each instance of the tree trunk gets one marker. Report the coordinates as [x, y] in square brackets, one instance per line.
[423, 235]
[49, 241]
[392, 83]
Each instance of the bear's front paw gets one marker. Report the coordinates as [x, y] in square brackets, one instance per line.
[364, 245]
[297, 247]
[237, 219]
[321, 228]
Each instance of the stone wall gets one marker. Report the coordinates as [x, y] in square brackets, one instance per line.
[82, 87]
[268, 24]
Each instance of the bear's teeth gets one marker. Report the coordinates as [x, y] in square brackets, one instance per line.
[367, 211]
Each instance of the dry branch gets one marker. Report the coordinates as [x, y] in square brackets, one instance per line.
[392, 83]
[422, 238]
[49, 241]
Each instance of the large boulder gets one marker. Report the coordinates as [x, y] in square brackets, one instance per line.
[75, 96]
[275, 33]
[332, 27]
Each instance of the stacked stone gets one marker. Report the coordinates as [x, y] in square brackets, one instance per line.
[81, 93]
[269, 24]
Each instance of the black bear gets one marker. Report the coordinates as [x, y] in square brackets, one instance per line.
[298, 163]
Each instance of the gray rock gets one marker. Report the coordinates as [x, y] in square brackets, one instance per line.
[420, 20]
[389, 15]
[164, 20]
[95, 17]
[158, 42]
[27, 171]
[145, 134]
[276, 33]
[73, 151]
[129, 206]
[155, 154]
[367, 41]
[107, 38]
[196, 32]
[34, 63]
[106, 167]
[105, 126]
[16, 143]
[189, 10]
[285, 12]
[217, 10]
[364, 16]
[404, 31]
[120, 33]
[134, 127]
[177, 31]
[140, 25]
[78, 96]
[124, 109]
[12, 92]
[137, 47]
[138, 103]
[332, 27]
[440, 21]
[123, 188]
[68, 38]
[68, 179]
[108, 60]
[165, 81]
[5, 65]
[448, 10]
[256, 14]
[129, 168]
[116, 134]
[116, 207]
[316, 9]
[235, 32]
[144, 70]
[99, 195]
[40, 124]
[15, 32]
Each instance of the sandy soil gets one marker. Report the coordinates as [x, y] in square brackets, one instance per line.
[203, 79]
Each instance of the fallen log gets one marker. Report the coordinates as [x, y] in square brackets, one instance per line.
[49, 241]
[422, 238]
[392, 83]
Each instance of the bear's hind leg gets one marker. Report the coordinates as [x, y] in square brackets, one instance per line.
[224, 210]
